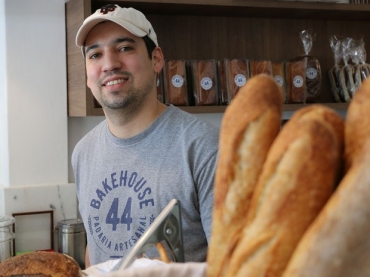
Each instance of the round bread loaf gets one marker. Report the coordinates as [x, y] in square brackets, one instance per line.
[51, 264]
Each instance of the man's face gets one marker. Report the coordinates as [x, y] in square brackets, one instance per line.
[119, 71]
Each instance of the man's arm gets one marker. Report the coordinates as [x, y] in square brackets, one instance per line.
[87, 258]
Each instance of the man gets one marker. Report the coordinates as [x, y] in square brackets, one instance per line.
[130, 166]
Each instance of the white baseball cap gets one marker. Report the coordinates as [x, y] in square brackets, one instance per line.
[132, 20]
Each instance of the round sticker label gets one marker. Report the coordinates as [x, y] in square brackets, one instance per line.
[311, 73]
[206, 83]
[177, 81]
[298, 81]
[279, 80]
[240, 80]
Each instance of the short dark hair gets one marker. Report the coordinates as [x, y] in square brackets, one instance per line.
[150, 46]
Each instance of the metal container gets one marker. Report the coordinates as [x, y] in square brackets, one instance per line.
[6, 237]
[70, 239]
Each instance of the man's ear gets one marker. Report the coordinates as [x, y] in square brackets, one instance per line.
[157, 59]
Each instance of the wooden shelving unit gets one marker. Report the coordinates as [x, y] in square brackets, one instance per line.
[219, 29]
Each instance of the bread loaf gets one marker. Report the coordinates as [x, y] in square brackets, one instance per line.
[249, 126]
[338, 242]
[357, 129]
[51, 264]
[205, 86]
[237, 74]
[295, 72]
[260, 67]
[175, 83]
[298, 178]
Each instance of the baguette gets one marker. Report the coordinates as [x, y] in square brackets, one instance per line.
[298, 178]
[357, 129]
[338, 242]
[249, 126]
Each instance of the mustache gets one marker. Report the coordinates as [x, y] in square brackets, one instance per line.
[124, 74]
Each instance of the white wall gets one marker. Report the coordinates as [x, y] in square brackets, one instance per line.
[33, 115]
[35, 80]
[3, 101]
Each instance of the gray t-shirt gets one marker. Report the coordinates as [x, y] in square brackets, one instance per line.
[123, 184]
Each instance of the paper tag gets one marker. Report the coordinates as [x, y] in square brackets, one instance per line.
[298, 81]
[240, 80]
[279, 80]
[311, 73]
[177, 81]
[206, 83]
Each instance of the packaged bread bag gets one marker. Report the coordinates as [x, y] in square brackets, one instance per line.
[312, 71]
[334, 72]
[175, 83]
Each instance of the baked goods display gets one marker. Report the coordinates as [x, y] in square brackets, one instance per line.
[338, 243]
[297, 179]
[250, 125]
[307, 214]
[51, 264]
[299, 78]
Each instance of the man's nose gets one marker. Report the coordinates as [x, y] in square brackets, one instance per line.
[111, 61]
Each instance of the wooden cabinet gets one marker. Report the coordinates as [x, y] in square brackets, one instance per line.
[218, 29]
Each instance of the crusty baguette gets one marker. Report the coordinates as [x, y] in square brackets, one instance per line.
[249, 126]
[338, 242]
[298, 178]
[51, 264]
[357, 128]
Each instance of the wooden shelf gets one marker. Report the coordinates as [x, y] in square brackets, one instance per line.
[286, 107]
[221, 109]
[249, 8]
[335, 106]
[219, 29]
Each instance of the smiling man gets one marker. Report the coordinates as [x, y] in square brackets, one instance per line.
[130, 166]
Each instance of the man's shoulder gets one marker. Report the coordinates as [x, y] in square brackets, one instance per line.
[191, 121]
[92, 136]
[193, 130]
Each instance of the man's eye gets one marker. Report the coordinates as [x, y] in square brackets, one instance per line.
[94, 56]
[124, 48]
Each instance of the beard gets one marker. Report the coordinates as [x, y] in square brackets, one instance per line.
[130, 101]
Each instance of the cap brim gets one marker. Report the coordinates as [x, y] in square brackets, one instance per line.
[87, 26]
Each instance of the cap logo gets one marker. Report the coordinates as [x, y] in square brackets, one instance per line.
[107, 8]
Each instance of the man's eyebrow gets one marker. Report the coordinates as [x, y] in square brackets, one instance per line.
[87, 49]
[115, 41]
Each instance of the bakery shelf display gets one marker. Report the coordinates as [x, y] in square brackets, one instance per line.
[226, 29]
